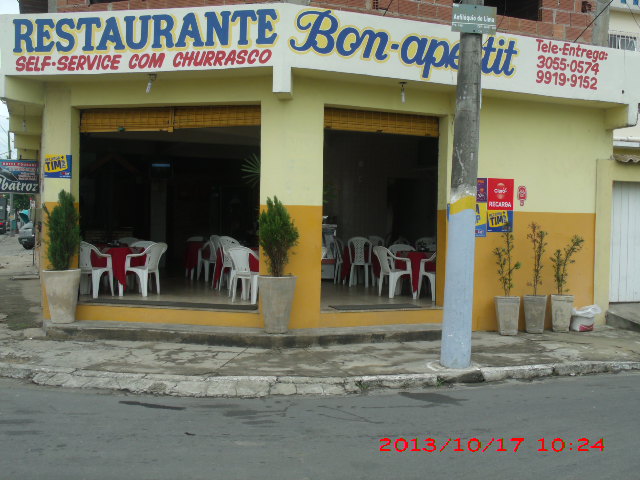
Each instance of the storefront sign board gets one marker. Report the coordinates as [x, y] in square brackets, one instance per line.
[285, 36]
[19, 176]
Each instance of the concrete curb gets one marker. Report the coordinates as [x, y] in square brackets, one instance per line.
[261, 386]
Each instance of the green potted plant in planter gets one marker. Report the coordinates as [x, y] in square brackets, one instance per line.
[535, 306]
[278, 235]
[561, 304]
[507, 306]
[62, 282]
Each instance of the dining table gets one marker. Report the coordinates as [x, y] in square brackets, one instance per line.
[414, 257]
[118, 259]
[191, 255]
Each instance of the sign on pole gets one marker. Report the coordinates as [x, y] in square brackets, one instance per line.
[473, 19]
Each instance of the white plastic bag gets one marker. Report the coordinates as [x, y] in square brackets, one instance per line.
[582, 318]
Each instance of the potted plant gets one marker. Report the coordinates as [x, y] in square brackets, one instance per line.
[62, 282]
[561, 304]
[507, 306]
[278, 235]
[535, 306]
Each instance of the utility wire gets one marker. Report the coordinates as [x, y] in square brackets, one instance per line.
[594, 19]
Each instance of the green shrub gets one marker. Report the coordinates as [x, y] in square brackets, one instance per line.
[63, 225]
[562, 259]
[278, 235]
[505, 263]
[537, 237]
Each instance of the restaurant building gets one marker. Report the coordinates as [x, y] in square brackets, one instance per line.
[351, 115]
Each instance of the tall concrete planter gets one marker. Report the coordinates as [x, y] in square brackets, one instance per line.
[535, 309]
[561, 306]
[62, 294]
[277, 298]
[508, 312]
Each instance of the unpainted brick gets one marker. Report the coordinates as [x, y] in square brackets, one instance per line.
[445, 13]
[567, 5]
[545, 29]
[562, 18]
[580, 20]
[547, 15]
[549, 3]
[407, 7]
[558, 32]
[427, 11]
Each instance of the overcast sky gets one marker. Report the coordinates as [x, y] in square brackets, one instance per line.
[6, 6]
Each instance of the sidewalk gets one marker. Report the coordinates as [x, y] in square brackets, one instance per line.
[324, 362]
[226, 371]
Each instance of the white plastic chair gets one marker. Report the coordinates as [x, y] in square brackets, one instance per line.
[401, 247]
[142, 243]
[96, 272]
[376, 240]
[426, 243]
[388, 268]
[338, 249]
[212, 246]
[360, 256]
[241, 271]
[128, 241]
[431, 276]
[226, 243]
[153, 253]
[187, 272]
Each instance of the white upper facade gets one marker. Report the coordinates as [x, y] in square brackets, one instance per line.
[285, 37]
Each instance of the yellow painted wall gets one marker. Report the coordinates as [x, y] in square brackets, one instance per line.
[552, 149]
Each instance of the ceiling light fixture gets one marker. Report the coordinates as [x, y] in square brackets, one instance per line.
[152, 78]
[402, 95]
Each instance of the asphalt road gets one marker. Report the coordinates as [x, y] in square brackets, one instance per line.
[61, 434]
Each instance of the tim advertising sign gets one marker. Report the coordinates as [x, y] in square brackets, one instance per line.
[19, 176]
[57, 166]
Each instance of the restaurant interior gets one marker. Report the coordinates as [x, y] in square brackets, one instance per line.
[189, 184]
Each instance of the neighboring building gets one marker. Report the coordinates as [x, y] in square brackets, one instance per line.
[624, 34]
[351, 112]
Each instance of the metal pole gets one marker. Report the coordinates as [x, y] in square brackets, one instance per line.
[458, 293]
[601, 24]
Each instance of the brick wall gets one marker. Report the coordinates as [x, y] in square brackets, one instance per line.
[559, 19]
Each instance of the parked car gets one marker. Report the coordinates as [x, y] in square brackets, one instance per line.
[3, 226]
[26, 236]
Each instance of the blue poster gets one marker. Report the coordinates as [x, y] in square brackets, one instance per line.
[57, 166]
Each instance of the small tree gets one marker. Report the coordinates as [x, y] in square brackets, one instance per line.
[278, 235]
[63, 231]
[561, 259]
[537, 237]
[505, 263]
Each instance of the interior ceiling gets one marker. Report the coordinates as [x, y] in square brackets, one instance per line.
[249, 136]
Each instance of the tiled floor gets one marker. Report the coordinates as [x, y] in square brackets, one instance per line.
[179, 291]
